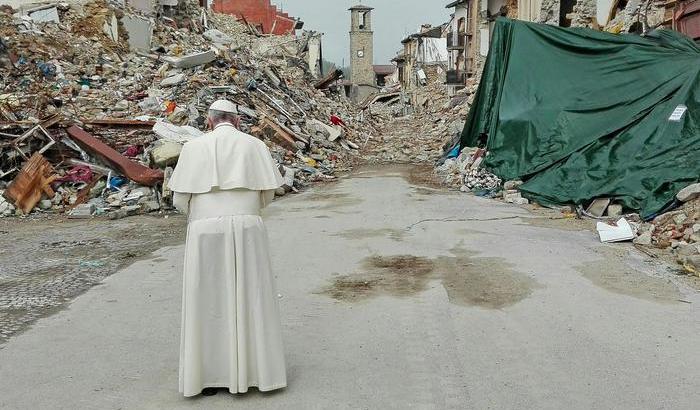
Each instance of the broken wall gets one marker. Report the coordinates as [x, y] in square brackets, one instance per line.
[637, 16]
[314, 55]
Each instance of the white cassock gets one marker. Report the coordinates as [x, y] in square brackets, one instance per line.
[231, 331]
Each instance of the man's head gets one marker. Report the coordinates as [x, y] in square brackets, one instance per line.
[223, 111]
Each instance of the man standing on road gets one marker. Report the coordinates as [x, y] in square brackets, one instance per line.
[231, 332]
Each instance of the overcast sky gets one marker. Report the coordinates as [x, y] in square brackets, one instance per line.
[392, 20]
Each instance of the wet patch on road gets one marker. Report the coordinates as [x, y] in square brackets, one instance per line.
[468, 280]
[616, 276]
[360, 233]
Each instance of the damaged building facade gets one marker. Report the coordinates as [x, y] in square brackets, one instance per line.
[472, 23]
[424, 57]
[262, 14]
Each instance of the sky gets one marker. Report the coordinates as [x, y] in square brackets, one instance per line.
[392, 21]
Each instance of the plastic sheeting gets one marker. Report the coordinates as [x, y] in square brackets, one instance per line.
[581, 114]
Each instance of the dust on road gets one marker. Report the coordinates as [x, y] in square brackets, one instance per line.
[49, 261]
[614, 274]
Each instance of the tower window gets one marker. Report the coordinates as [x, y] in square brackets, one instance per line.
[363, 20]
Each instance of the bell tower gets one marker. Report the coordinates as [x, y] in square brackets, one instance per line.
[361, 45]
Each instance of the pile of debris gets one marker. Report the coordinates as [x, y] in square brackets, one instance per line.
[677, 230]
[464, 172]
[97, 100]
[427, 123]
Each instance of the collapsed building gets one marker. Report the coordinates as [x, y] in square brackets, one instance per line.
[97, 99]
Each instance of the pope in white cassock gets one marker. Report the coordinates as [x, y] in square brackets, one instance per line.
[231, 331]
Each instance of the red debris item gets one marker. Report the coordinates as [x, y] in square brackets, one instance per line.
[130, 169]
[170, 107]
[80, 173]
[133, 151]
[335, 120]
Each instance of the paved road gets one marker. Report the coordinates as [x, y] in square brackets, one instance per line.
[387, 305]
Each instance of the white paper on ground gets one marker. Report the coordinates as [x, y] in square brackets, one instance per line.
[609, 233]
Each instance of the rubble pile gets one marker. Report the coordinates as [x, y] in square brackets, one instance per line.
[427, 123]
[110, 115]
[464, 172]
[677, 230]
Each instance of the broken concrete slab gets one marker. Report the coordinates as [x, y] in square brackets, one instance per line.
[216, 36]
[166, 153]
[333, 132]
[508, 185]
[175, 133]
[191, 60]
[512, 197]
[150, 206]
[45, 204]
[614, 210]
[147, 6]
[111, 28]
[521, 201]
[173, 80]
[689, 193]
[598, 206]
[82, 211]
[643, 239]
[140, 31]
[45, 14]
[124, 212]
[247, 111]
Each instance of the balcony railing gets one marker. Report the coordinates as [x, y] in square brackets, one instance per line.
[456, 77]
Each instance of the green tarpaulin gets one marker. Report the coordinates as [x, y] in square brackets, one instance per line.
[580, 114]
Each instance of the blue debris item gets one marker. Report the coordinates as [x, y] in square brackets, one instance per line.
[47, 69]
[115, 182]
[454, 153]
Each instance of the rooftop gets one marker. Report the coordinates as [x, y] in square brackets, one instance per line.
[384, 69]
[361, 7]
[455, 3]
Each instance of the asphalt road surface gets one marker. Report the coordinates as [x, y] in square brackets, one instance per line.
[394, 296]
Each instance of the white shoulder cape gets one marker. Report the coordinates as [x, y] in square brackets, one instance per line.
[225, 158]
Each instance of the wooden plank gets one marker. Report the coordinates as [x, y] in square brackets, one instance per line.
[271, 130]
[33, 181]
[119, 122]
[130, 169]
